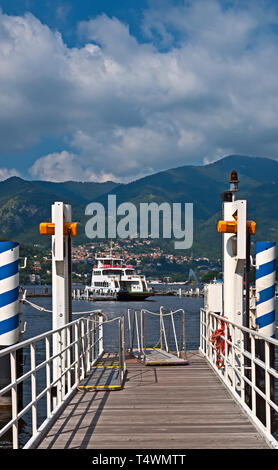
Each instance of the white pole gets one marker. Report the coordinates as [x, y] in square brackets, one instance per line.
[229, 265]
[60, 296]
[234, 259]
[234, 256]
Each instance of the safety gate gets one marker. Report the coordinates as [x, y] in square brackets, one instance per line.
[169, 348]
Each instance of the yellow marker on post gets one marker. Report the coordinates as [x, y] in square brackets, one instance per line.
[48, 228]
[225, 226]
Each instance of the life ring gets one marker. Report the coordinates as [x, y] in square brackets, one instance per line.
[219, 343]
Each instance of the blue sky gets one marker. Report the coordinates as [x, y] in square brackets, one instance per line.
[99, 90]
[65, 15]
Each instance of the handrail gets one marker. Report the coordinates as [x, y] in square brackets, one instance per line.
[243, 328]
[37, 338]
[80, 346]
[241, 368]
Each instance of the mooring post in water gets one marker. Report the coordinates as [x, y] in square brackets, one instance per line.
[265, 315]
[61, 228]
[9, 309]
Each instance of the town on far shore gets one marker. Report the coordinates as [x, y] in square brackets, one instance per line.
[157, 260]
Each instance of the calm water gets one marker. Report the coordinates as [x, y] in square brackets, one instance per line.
[39, 322]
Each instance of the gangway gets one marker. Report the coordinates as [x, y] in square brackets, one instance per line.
[109, 371]
[142, 323]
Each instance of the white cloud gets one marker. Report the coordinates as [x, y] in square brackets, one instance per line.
[203, 85]
[7, 173]
[56, 167]
[64, 166]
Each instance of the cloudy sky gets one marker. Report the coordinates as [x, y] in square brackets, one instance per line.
[104, 89]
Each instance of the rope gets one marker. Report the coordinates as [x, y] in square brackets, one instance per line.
[163, 314]
[89, 311]
[106, 321]
[42, 309]
[37, 307]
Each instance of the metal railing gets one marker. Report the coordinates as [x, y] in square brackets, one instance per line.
[248, 368]
[80, 345]
[137, 331]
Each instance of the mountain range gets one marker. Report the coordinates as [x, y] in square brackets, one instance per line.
[24, 204]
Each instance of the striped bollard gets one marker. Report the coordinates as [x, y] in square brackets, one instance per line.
[9, 314]
[265, 319]
[265, 287]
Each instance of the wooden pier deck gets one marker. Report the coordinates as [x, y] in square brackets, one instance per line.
[167, 407]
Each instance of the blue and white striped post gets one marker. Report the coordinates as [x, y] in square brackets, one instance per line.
[265, 318]
[9, 286]
[265, 287]
[9, 309]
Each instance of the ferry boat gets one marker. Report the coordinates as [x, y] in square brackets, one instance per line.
[111, 277]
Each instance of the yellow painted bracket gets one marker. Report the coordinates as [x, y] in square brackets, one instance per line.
[48, 228]
[225, 226]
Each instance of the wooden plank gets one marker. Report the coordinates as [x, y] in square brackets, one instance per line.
[158, 357]
[104, 378]
[166, 408]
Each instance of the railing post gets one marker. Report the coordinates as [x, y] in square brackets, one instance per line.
[59, 377]
[77, 353]
[137, 333]
[88, 345]
[267, 387]
[226, 350]
[33, 388]
[121, 350]
[243, 367]
[184, 334]
[94, 335]
[164, 335]
[202, 343]
[175, 335]
[123, 336]
[253, 375]
[233, 361]
[68, 353]
[161, 327]
[48, 376]
[205, 328]
[83, 352]
[14, 398]
[90, 341]
[209, 345]
[142, 318]
[100, 334]
[129, 328]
